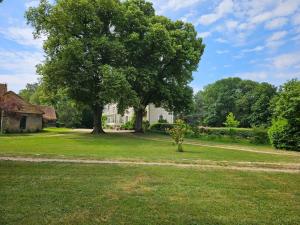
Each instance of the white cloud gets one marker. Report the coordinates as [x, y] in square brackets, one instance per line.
[173, 5]
[286, 61]
[220, 11]
[21, 35]
[18, 67]
[277, 36]
[221, 40]
[296, 19]
[204, 34]
[256, 49]
[283, 8]
[253, 75]
[276, 23]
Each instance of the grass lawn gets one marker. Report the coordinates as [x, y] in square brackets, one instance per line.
[60, 193]
[64, 143]
[65, 193]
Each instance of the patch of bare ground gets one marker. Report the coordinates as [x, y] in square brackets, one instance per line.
[241, 166]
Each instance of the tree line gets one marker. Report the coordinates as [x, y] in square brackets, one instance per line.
[103, 51]
[249, 101]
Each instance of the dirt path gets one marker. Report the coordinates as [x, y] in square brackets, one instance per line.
[179, 165]
[229, 147]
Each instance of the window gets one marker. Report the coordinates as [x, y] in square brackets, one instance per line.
[23, 122]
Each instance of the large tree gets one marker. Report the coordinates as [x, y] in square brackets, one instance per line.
[83, 51]
[162, 55]
[248, 100]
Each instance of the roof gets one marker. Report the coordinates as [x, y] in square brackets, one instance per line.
[11, 102]
[49, 112]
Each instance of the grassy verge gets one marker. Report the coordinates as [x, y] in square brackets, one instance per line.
[68, 144]
[103, 194]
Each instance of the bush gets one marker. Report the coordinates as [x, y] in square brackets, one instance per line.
[146, 125]
[282, 135]
[257, 135]
[128, 125]
[161, 127]
[260, 136]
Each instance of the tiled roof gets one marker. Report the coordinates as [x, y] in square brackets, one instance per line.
[49, 112]
[11, 102]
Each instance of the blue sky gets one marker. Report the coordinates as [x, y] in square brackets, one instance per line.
[251, 39]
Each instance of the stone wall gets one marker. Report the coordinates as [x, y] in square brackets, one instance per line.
[11, 123]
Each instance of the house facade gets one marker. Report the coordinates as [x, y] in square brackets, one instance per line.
[153, 115]
[17, 115]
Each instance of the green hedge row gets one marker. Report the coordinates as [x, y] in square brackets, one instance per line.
[255, 135]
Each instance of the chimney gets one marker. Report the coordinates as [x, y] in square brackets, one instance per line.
[3, 89]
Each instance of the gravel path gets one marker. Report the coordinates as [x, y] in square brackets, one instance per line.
[179, 165]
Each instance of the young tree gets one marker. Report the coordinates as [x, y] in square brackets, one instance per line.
[162, 55]
[231, 121]
[177, 133]
[83, 52]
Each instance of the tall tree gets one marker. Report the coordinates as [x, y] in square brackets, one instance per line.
[248, 100]
[83, 51]
[162, 55]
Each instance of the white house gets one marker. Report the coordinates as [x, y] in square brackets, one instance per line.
[153, 115]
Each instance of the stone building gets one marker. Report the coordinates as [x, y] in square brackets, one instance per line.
[17, 115]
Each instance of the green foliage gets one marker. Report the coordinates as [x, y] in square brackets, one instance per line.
[177, 133]
[248, 100]
[104, 121]
[161, 127]
[278, 134]
[162, 55]
[162, 120]
[146, 125]
[259, 135]
[231, 121]
[285, 130]
[128, 125]
[84, 53]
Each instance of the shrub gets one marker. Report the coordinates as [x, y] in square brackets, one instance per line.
[146, 125]
[162, 120]
[128, 125]
[177, 133]
[283, 136]
[260, 136]
[161, 127]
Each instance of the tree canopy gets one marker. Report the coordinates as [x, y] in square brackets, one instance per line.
[83, 52]
[106, 51]
[248, 100]
[162, 55]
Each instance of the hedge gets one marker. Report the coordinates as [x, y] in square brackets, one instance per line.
[255, 135]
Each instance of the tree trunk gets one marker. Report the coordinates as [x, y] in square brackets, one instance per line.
[98, 120]
[138, 125]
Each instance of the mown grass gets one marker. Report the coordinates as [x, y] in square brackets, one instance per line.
[66, 143]
[45, 193]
